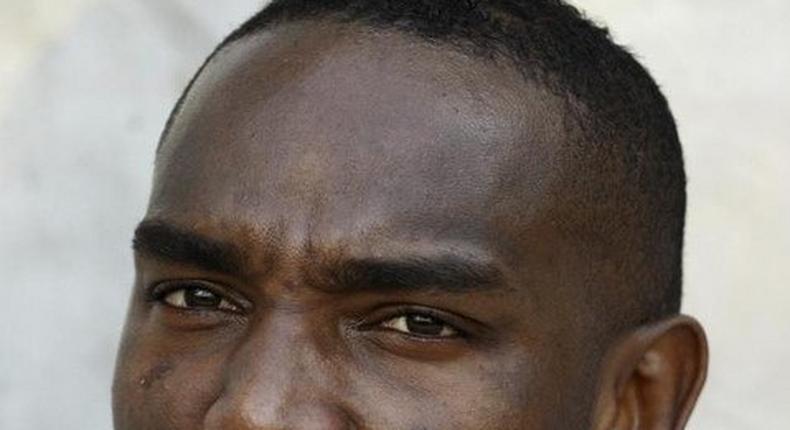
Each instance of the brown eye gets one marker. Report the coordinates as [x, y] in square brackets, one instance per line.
[421, 325]
[198, 298]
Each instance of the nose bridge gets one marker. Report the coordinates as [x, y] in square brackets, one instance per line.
[276, 379]
[270, 363]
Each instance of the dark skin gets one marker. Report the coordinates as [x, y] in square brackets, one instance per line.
[353, 229]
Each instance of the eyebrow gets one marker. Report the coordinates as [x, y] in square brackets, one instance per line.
[170, 243]
[447, 273]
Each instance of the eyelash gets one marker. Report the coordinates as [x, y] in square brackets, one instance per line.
[160, 292]
[403, 311]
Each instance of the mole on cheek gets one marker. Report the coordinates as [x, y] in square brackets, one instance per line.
[154, 374]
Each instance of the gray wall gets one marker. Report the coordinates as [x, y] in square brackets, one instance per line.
[85, 86]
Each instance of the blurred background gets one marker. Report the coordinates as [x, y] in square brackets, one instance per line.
[85, 88]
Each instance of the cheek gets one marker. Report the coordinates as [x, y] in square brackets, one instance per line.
[155, 374]
[479, 392]
[173, 393]
[500, 395]
[156, 387]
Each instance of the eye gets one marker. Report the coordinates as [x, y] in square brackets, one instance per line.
[195, 297]
[421, 325]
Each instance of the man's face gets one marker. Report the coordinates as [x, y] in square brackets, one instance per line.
[355, 231]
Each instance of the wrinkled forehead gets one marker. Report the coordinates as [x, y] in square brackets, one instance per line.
[320, 124]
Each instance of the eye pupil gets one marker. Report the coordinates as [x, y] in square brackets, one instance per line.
[424, 325]
[201, 298]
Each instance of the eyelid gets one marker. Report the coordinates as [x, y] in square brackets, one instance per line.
[381, 315]
[159, 290]
[393, 324]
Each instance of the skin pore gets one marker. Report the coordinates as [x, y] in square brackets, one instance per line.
[352, 229]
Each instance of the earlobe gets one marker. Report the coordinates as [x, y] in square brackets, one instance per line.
[651, 377]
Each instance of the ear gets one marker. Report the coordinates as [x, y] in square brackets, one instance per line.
[652, 376]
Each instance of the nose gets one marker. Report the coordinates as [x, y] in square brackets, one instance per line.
[306, 416]
[277, 380]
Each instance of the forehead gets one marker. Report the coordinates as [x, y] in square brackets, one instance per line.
[332, 131]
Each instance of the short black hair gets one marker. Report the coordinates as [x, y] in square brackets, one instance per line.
[630, 182]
